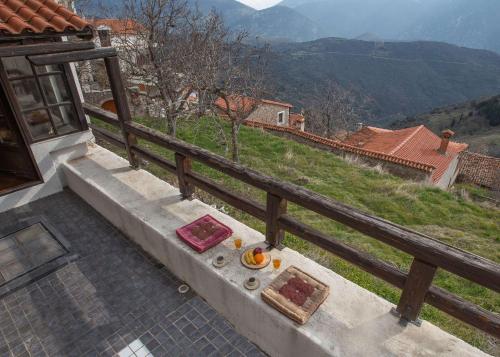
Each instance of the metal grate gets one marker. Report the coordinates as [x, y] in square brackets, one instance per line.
[32, 249]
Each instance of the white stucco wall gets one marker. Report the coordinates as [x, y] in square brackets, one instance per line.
[449, 176]
[48, 157]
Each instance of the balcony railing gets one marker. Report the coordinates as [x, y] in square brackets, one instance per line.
[429, 254]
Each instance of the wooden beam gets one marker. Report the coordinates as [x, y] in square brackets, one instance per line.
[155, 159]
[45, 48]
[251, 207]
[183, 164]
[275, 208]
[365, 261]
[74, 56]
[416, 287]
[107, 136]
[463, 310]
[121, 102]
[434, 252]
[101, 114]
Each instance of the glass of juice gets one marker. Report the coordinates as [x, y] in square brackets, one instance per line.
[276, 263]
[238, 242]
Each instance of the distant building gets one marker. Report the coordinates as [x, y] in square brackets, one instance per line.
[263, 111]
[480, 170]
[415, 153]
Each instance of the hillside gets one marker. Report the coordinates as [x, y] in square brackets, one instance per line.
[446, 216]
[396, 79]
[462, 22]
[475, 122]
[277, 23]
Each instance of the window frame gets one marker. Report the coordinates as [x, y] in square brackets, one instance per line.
[66, 74]
[282, 114]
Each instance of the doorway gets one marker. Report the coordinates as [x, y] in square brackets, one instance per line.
[17, 168]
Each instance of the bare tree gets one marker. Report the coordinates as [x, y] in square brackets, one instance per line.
[331, 112]
[236, 87]
[165, 52]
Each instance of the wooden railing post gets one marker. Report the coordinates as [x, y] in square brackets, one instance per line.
[183, 165]
[122, 108]
[276, 206]
[416, 287]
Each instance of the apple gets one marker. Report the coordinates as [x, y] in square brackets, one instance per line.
[257, 250]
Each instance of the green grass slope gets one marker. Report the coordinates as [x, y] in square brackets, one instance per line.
[452, 219]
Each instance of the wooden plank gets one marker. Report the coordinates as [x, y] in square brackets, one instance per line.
[275, 208]
[107, 136]
[361, 259]
[101, 114]
[251, 207]
[464, 310]
[416, 287]
[74, 56]
[45, 48]
[154, 158]
[183, 164]
[457, 261]
[122, 108]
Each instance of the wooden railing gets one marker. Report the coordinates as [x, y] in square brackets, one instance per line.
[428, 254]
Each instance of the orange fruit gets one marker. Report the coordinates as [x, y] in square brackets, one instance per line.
[259, 258]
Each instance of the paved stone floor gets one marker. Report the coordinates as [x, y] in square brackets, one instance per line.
[113, 300]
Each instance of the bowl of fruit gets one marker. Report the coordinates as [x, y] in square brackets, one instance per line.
[255, 258]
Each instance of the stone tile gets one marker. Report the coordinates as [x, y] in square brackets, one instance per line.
[113, 300]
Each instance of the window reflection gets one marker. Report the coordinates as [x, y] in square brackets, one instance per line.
[39, 124]
[55, 89]
[44, 101]
[64, 119]
[27, 94]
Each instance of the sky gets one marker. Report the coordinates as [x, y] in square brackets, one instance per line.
[260, 4]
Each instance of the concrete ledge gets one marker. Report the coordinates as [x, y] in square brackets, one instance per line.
[352, 321]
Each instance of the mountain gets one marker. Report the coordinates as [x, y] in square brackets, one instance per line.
[278, 23]
[393, 79]
[462, 22]
[475, 122]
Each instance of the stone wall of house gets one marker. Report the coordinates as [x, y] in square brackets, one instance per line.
[405, 172]
[268, 113]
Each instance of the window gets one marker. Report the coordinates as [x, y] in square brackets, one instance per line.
[44, 97]
[281, 118]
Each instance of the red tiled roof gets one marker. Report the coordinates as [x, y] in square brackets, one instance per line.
[413, 147]
[344, 147]
[417, 144]
[279, 104]
[296, 118]
[20, 17]
[246, 104]
[118, 26]
[479, 169]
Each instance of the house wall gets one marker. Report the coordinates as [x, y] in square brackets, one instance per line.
[268, 113]
[450, 175]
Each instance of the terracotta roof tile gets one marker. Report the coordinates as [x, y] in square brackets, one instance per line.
[20, 17]
[480, 169]
[417, 144]
[419, 149]
[118, 26]
[246, 103]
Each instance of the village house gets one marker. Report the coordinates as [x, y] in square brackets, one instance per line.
[415, 153]
[480, 170]
[92, 262]
[263, 111]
